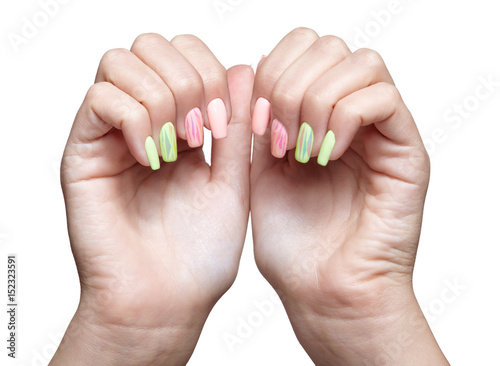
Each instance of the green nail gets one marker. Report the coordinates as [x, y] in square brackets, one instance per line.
[326, 148]
[152, 153]
[304, 143]
[168, 142]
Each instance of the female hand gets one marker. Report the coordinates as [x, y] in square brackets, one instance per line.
[155, 250]
[338, 242]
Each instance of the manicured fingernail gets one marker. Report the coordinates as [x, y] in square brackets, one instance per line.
[152, 153]
[261, 116]
[304, 143]
[168, 142]
[279, 139]
[194, 128]
[326, 148]
[217, 116]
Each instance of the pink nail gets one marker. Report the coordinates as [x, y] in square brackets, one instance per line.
[261, 116]
[194, 128]
[217, 116]
[279, 139]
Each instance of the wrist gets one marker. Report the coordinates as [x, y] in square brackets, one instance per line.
[89, 341]
[389, 332]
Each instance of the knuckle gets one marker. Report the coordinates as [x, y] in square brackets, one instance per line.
[391, 92]
[95, 91]
[132, 113]
[188, 85]
[216, 71]
[303, 33]
[315, 99]
[347, 111]
[114, 56]
[216, 81]
[186, 41]
[160, 97]
[369, 58]
[213, 75]
[145, 40]
[136, 114]
[284, 100]
[331, 45]
[266, 76]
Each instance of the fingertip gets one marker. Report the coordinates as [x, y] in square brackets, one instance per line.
[261, 116]
[141, 143]
[240, 81]
[152, 153]
[235, 149]
[193, 125]
[217, 117]
[238, 72]
[326, 149]
[168, 142]
[304, 144]
[279, 139]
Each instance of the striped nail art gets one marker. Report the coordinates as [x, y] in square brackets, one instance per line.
[279, 139]
[194, 128]
[168, 142]
[304, 143]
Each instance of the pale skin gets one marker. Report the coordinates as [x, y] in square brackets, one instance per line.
[155, 250]
[338, 243]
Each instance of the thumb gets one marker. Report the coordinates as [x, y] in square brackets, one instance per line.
[231, 155]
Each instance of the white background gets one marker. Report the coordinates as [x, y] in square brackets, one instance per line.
[437, 52]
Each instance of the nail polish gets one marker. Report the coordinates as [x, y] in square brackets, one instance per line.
[326, 148]
[217, 117]
[279, 139]
[304, 143]
[261, 116]
[194, 128]
[152, 153]
[168, 142]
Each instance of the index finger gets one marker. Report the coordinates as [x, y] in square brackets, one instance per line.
[291, 47]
